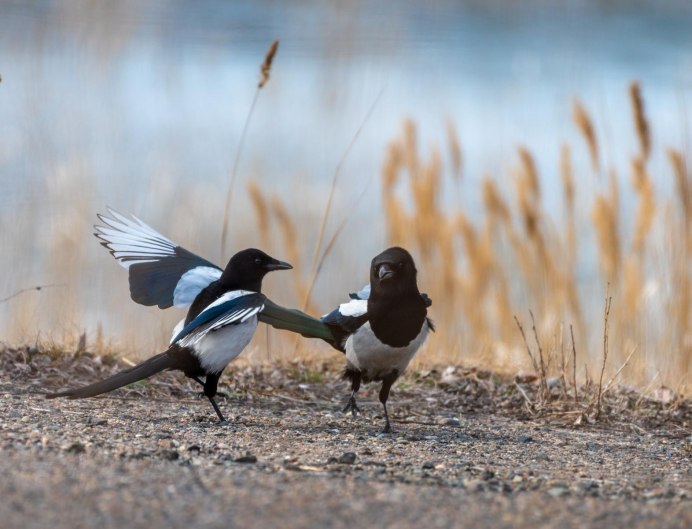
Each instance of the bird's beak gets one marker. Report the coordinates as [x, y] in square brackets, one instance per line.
[277, 265]
[385, 271]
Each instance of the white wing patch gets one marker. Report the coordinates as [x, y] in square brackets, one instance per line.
[132, 241]
[176, 330]
[354, 308]
[364, 293]
[192, 282]
[228, 296]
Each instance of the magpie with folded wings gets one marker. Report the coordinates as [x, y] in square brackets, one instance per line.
[219, 324]
[382, 327]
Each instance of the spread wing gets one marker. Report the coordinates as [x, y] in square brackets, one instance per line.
[160, 271]
[230, 309]
[346, 319]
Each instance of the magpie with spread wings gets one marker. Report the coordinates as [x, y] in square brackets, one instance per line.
[224, 305]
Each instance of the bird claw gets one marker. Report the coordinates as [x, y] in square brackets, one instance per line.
[387, 428]
[352, 407]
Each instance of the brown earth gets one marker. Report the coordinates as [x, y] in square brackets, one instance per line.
[466, 450]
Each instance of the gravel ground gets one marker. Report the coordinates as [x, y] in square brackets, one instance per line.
[466, 451]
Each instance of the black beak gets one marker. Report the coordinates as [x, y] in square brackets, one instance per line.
[385, 271]
[277, 265]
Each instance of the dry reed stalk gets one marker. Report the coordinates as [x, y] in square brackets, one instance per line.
[392, 165]
[266, 67]
[264, 77]
[31, 289]
[643, 185]
[585, 125]
[534, 363]
[563, 363]
[454, 150]
[289, 236]
[681, 307]
[622, 367]
[641, 124]
[543, 372]
[259, 203]
[530, 173]
[606, 315]
[494, 203]
[605, 220]
[683, 182]
[410, 147]
[574, 366]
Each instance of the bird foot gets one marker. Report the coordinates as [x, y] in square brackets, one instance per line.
[352, 407]
[387, 428]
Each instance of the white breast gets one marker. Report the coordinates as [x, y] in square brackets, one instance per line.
[375, 359]
[217, 348]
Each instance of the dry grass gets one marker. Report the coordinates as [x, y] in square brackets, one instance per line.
[480, 270]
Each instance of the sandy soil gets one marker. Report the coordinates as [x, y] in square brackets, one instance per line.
[466, 452]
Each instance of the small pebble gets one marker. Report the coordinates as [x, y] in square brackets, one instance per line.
[557, 492]
[428, 465]
[347, 458]
[170, 455]
[523, 438]
[76, 448]
[247, 458]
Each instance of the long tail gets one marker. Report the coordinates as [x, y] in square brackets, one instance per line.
[296, 321]
[128, 376]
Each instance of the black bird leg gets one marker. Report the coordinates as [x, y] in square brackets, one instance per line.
[210, 383]
[384, 395]
[351, 405]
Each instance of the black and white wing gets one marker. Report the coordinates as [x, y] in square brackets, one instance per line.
[160, 271]
[345, 320]
[232, 308]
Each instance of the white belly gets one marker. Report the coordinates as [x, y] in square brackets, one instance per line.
[216, 349]
[375, 359]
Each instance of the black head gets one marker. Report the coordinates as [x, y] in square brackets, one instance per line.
[393, 271]
[247, 268]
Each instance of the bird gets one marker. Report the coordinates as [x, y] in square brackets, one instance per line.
[223, 313]
[382, 326]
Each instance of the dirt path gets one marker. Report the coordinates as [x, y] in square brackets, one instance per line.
[153, 457]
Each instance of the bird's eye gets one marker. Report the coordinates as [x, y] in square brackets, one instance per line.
[258, 261]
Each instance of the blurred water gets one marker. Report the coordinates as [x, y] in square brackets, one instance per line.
[131, 86]
[146, 100]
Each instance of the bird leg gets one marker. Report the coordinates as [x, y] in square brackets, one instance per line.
[351, 405]
[210, 384]
[384, 395]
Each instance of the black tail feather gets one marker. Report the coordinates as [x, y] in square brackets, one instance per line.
[128, 376]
